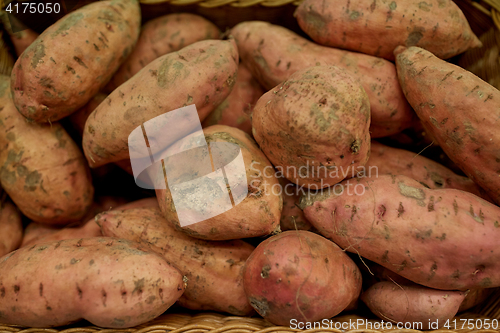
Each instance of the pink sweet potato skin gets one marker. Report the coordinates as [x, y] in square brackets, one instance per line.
[214, 269]
[314, 127]
[113, 283]
[74, 58]
[160, 36]
[387, 160]
[258, 214]
[41, 167]
[11, 227]
[78, 118]
[442, 238]
[412, 303]
[378, 27]
[300, 275]
[202, 74]
[236, 109]
[273, 53]
[36, 233]
[460, 111]
[292, 217]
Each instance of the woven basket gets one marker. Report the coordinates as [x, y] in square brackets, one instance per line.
[484, 18]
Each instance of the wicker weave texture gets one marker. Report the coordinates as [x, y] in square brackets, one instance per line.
[217, 323]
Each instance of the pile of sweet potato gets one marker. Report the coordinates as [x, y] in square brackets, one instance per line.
[322, 218]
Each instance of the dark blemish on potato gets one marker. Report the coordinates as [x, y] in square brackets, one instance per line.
[430, 206]
[150, 299]
[401, 209]
[355, 146]
[91, 262]
[118, 322]
[385, 256]
[496, 224]
[354, 15]
[67, 23]
[381, 211]
[79, 291]
[79, 243]
[486, 283]
[104, 297]
[265, 271]
[230, 262]
[58, 267]
[7, 176]
[70, 69]
[80, 62]
[74, 261]
[415, 36]
[455, 206]
[2, 292]
[478, 218]
[424, 234]
[57, 244]
[261, 306]
[16, 289]
[447, 76]
[40, 289]
[139, 286]
[32, 181]
[288, 64]
[48, 308]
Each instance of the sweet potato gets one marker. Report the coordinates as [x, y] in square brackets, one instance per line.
[378, 27]
[77, 119]
[314, 126]
[11, 227]
[273, 53]
[74, 58]
[460, 110]
[412, 303]
[474, 297]
[236, 109]
[110, 282]
[41, 167]
[20, 35]
[299, 275]
[257, 207]
[214, 269]
[202, 74]
[87, 228]
[387, 160]
[160, 36]
[440, 238]
[292, 217]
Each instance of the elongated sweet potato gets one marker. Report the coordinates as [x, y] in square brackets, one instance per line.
[110, 282]
[273, 53]
[442, 238]
[236, 109]
[87, 228]
[314, 126]
[301, 276]
[41, 168]
[460, 110]
[412, 303]
[257, 207]
[378, 27]
[74, 58]
[160, 36]
[387, 160]
[11, 227]
[202, 74]
[214, 269]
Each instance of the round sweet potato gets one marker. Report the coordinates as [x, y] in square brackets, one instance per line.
[314, 126]
[74, 58]
[299, 275]
[110, 282]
